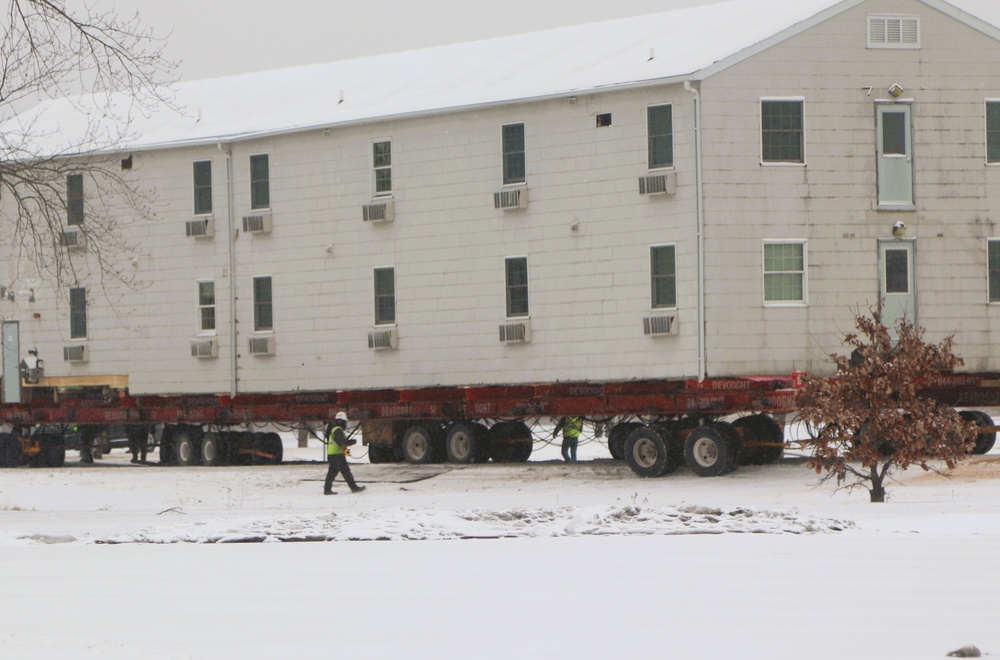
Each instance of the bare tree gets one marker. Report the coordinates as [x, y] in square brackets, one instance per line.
[871, 415]
[73, 174]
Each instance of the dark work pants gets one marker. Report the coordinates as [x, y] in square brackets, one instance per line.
[569, 446]
[338, 464]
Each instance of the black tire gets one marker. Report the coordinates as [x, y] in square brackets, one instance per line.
[10, 450]
[53, 450]
[418, 445]
[652, 451]
[381, 454]
[707, 451]
[617, 436]
[213, 449]
[274, 447]
[764, 441]
[510, 442]
[167, 455]
[463, 443]
[984, 441]
[735, 441]
[186, 449]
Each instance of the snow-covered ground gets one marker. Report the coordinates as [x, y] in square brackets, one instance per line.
[543, 560]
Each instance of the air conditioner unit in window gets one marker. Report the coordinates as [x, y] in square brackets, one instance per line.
[74, 239]
[204, 348]
[663, 325]
[76, 353]
[377, 212]
[658, 184]
[257, 224]
[200, 228]
[262, 345]
[508, 200]
[515, 333]
[382, 339]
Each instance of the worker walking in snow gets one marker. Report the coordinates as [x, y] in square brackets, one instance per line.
[571, 428]
[337, 443]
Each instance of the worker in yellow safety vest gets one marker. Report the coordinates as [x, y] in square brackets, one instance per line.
[571, 429]
[337, 443]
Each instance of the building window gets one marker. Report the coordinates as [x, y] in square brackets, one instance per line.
[781, 132]
[785, 272]
[385, 296]
[993, 131]
[260, 182]
[663, 271]
[517, 286]
[74, 199]
[993, 268]
[263, 310]
[78, 313]
[889, 31]
[513, 154]
[206, 306]
[203, 187]
[660, 131]
[382, 167]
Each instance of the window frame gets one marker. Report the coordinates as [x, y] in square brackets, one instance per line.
[801, 101]
[260, 187]
[260, 306]
[897, 45]
[992, 296]
[75, 208]
[803, 273]
[77, 315]
[987, 103]
[378, 169]
[510, 287]
[656, 279]
[203, 306]
[201, 188]
[513, 156]
[380, 296]
[650, 137]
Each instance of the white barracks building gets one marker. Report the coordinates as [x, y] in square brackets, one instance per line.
[704, 192]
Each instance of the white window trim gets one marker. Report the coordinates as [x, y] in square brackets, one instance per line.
[986, 144]
[86, 314]
[665, 168]
[253, 305]
[993, 303]
[194, 188]
[527, 274]
[249, 162]
[760, 132]
[805, 273]
[371, 157]
[395, 299]
[652, 309]
[886, 45]
[201, 331]
[518, 183]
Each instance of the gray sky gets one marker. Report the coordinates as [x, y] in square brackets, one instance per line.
[214, 38]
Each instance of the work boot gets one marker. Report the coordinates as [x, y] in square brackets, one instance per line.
[357, 489]
[329, 492]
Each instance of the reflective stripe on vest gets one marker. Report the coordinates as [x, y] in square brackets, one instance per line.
[332, 447]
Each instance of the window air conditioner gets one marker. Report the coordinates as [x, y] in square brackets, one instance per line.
[382, 339]
[73, 239]
[257, 224]
[200, 228]
[76, 353]
[378, 212]
[658, 184]
[515, 333]
[660, 325]
[262, 345]
[204, 348]
[508, 200]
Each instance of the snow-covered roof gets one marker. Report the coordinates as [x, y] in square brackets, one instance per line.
[655, 48]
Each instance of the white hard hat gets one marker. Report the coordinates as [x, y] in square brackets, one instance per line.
[341, 415]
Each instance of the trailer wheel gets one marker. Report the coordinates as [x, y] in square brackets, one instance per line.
[510, 442]
[185, 448]
[763, 440]
[707, 451]
[167, 455]
[274, 447]
[984, 441]
[381, 454]
[53, 450]
[213, 451]
[10, 450]
[617, 436]
[463, 443]
[735, 442]
[651, 451]
[418, 445]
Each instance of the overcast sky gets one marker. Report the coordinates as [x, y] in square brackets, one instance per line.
[212, 38]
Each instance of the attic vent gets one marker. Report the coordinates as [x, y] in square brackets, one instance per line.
[204, 348]
[510, 199]
[604, 120]
[76, 353]
[660, 325]
[200, 227]
[382, 339]
[893, 31]
[262, 345]
[380, 212]
[658, 184]
[257, 224]
[73, 239]
[514, 333]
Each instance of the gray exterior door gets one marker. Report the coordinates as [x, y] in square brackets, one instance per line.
[897, 284]
[895, 154]
[11, 362]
